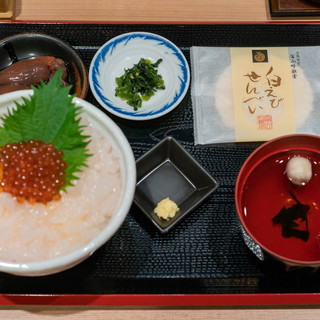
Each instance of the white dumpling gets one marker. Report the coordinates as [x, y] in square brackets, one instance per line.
[299, 170]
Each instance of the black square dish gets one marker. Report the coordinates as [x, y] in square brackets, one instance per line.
[168, 170]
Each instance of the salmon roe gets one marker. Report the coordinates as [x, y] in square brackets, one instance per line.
[32, 171]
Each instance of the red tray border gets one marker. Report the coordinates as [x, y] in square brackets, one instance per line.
[168, 300]
[173, 300]
[306, 22]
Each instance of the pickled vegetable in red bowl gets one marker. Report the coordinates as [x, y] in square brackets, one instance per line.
[279, 214]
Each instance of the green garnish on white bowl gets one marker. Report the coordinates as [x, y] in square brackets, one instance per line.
[52, 117]
[48, 238]
[139, 83]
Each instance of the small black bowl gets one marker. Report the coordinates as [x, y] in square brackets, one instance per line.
[168, 170]
[27, 45]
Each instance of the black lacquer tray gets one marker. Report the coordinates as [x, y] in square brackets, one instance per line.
[205, 254]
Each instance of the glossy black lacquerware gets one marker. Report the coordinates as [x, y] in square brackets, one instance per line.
[27, 45]
[169, 171]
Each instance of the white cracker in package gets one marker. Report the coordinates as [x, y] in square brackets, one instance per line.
[254, 94]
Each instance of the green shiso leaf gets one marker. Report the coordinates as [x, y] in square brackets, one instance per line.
[50, 116]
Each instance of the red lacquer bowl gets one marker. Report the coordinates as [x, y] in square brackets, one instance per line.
[282, 218]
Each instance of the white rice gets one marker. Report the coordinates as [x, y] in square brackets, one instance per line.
[39, 232]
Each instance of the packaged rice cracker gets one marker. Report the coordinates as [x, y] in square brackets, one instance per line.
[254, 94]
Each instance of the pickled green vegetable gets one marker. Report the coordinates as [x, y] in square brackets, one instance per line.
[139, 83]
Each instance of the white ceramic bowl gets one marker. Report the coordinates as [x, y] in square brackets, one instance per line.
[121, 53]
[108, 128]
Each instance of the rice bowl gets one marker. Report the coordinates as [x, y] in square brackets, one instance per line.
[113, 145]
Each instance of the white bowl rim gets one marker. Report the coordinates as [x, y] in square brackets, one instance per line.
[64, 262]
